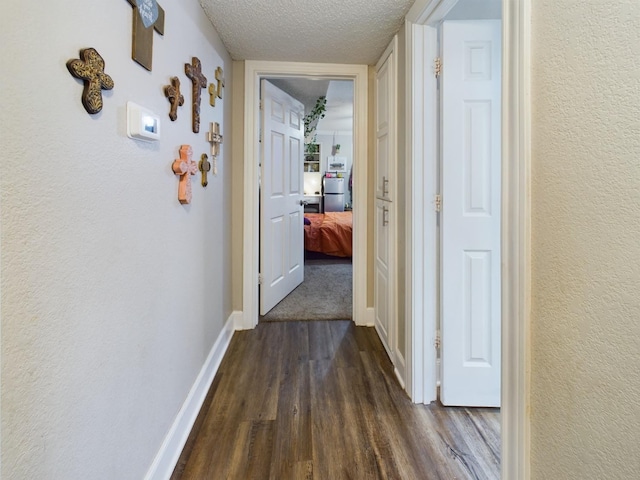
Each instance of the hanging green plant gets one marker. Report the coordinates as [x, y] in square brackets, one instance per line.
[312, 118]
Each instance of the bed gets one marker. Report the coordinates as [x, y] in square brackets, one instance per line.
[329, 233]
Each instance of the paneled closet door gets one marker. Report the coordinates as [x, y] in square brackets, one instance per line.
[385, 224]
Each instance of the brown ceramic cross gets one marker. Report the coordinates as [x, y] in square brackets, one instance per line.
[216, 91]
[172, 92]
[185, 167]
[204, 166]
[215, 139]
[142, 37]
[194, 73]
[90, 68]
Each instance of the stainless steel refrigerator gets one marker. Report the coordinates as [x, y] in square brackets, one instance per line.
[333, 188]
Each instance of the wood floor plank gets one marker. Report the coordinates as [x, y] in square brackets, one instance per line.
[292, 441]
[320, 400]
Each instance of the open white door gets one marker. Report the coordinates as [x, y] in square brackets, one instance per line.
[281, 196]
[470, 221]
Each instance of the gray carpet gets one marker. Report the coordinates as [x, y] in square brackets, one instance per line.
[325, 294]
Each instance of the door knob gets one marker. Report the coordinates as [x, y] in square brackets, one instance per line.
[303, 202]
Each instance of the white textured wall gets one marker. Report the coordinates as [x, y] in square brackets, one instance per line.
[112, 292]
[585, 401]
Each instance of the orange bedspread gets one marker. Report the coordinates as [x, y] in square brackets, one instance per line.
[329, 233]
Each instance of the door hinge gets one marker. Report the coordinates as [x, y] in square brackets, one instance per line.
[438, 203]
[437, 340]
[437, 66]
[260, 279]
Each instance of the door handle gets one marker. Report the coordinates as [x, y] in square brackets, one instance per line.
[385, 216]
[385, 186]
[303, 202]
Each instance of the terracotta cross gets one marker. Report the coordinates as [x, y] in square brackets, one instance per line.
[216, 91]
[185, 167]
[204, 166]
[194, 73]
[90, 68]
[215, 139]
[172, 92]
[142, 37]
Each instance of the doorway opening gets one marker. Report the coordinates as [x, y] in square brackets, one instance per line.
[357, 74]
[324, 169]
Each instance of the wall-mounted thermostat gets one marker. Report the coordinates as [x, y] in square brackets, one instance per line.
[142, 124]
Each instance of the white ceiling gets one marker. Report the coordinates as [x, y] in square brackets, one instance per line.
[339, 93]
[306, 90]
[319, 31]
[475, 10]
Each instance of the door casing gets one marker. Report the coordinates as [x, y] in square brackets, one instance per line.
[254, 71]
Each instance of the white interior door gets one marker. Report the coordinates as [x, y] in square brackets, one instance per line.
[470, 221]
[281, 196]
[385, 221]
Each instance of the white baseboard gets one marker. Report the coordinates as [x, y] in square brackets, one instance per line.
[169, 453]
[399, 377]
[369, 318]
[400, 368]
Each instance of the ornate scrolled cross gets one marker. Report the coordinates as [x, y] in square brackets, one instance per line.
[185, 167]
[172, 92]
[194, 73]
[90, 68]
[215, 139]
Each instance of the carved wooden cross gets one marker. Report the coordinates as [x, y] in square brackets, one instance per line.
[90, 68]
[172, 92]
[142, 37]
[185, 167]
[215, 139]
[204, 167]
[194, 73]
[216, 91]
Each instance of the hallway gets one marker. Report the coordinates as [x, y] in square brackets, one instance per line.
[319, 400]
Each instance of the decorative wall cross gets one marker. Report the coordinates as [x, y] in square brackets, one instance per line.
[216, 91]
[194, 73]
[90, 68]
[185, 167]
[215, 139]
[204, 166]
[142, 37]
[172, 92]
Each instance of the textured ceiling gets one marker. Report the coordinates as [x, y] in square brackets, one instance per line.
[319, 31]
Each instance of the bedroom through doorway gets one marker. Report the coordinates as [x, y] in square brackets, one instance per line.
[326, 209]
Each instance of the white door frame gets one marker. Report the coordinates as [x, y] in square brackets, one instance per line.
[421, 141]
[254, 70]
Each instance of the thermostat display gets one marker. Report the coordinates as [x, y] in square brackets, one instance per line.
[142, 124]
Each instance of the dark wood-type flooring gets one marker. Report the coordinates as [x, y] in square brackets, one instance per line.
[319, 400]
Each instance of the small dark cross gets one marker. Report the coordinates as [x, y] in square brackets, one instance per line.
[194, 73]
[216, 91]
[172, 92]
[142, 37]
[204, 166]
[215, 139]
[90, 68]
